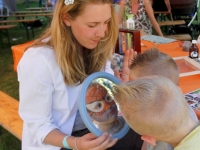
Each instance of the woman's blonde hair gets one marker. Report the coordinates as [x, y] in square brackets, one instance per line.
[74, 66]
[153, 106]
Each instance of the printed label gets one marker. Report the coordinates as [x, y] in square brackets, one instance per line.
[194, 54]
[131, 26]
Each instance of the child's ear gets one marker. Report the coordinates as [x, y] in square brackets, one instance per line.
[149, 139]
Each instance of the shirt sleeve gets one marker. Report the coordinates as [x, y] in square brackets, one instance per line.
[36, 90]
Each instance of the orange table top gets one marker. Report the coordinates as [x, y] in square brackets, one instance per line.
[189, 84]
[186, 83]
[183, 67]
[172, 49]
[18, 51]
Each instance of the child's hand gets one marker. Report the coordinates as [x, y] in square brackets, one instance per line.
[128, 57]
[91, 142]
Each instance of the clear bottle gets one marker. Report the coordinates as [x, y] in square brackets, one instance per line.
[194, 50]
[130, 23]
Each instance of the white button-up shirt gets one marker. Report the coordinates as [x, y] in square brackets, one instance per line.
[46, 102]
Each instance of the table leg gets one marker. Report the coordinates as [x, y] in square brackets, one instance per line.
[8, 37]
[26, 27]
[32, 31]
[6, 34]
[1, 39]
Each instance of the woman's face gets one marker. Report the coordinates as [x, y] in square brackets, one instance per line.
[90, 26]
[100, 105]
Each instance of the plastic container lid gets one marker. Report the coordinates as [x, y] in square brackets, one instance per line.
[130, 16]
[194, 41]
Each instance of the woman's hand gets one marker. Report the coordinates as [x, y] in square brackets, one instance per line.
[128, 57]
[91, 142]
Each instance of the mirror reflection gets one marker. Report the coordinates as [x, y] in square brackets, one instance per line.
[101, 106]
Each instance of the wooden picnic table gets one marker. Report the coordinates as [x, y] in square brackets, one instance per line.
[24, 21]
[170, 23]
[32, 12]
[4, 31]
[22, 16]
[36, 8]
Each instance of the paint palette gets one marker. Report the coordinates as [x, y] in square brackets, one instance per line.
[186, 65]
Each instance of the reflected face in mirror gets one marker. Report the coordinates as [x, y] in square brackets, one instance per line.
[101, 108]
[100, 105]
[97, 107]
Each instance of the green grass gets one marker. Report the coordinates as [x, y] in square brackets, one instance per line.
[8, 77]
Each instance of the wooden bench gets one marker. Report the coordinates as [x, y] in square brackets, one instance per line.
[32, 12]
[9, 117]
[170, 23]
[5, 28]
[182, 37]
[36, 8]
[26, 24]
[26, 15]
[163, 14]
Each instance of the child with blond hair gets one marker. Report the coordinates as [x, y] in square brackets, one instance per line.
[154, 62]
[155, 108]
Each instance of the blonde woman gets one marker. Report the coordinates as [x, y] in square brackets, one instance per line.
[78, 43]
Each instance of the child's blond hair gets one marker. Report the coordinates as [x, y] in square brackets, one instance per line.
[154, 62]
[153, 106]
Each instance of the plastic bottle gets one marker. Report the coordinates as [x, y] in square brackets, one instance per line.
[130, 23]
[194, 50]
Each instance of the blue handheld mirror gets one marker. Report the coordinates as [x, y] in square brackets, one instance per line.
[98, 108]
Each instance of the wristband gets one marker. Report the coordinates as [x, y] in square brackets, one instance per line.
[64, 142]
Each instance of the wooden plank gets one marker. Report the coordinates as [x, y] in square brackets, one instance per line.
[26, 15]
[4, 27]
[36, 8]
[17, 21]
[182, 37]
[168, 23]
[161, 12]
[32, 12]
[9, 117]
[25, 21]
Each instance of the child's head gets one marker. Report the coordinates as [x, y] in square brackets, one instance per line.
[153, 106]
[154, 62]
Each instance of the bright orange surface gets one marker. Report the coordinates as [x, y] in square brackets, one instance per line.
[190, 83]
[187, 84]
[183, 67]
[18, 51]
[172, 49]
